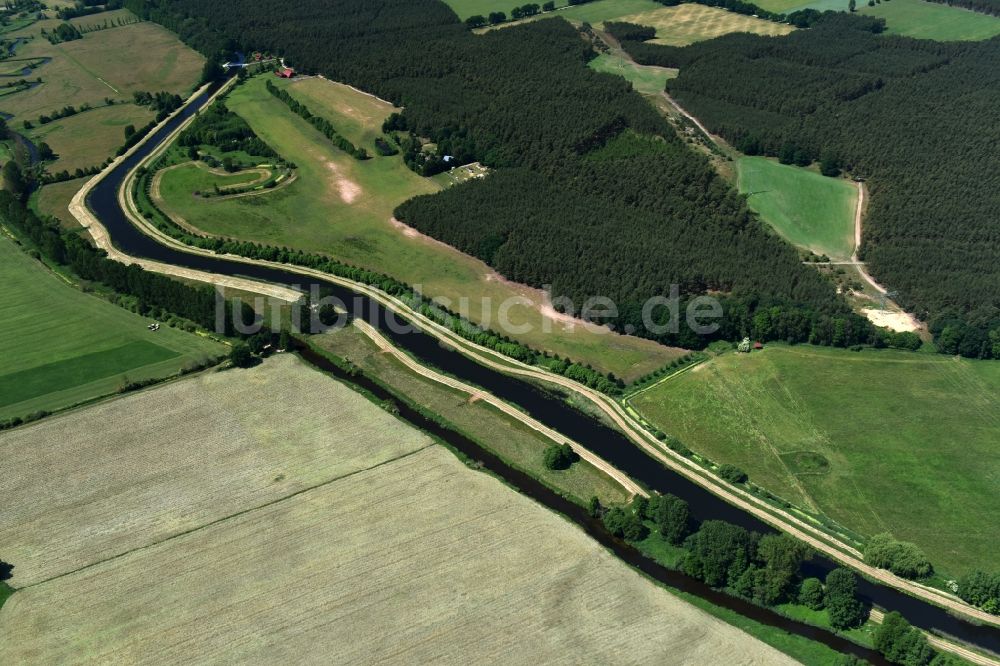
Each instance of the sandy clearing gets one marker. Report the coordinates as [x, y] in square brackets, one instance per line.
[349, 190]
[416, 561]
[97, 482]
[894, 320]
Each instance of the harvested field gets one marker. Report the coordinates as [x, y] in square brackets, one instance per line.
[134, 471]
[689, 23]
[411, 558]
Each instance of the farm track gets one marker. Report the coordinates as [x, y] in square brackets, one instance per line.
[815, 537]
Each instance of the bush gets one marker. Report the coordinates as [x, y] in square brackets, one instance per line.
[901, 558]
[241, 356]
[624, 523]
[560, 456]
[811, 593]
[732, 473]
[981, 589]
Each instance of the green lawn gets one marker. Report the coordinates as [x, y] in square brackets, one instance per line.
[343, 207]
[592, 12]
[912, 18]
[60, 346]
[877, 440]
[929, 20]
[809, 210]
[647, 80]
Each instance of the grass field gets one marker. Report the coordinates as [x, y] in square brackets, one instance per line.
[928, 20]
[878, 440]
[109, 63]
[809, 210]
[344, 207]
[87, 139]
[689, 23]
[912, 18]
[54, 200]
[302, 533]
[647, 80]
[61, 346]
[512, 440]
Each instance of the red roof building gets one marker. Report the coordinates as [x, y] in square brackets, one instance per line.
[286, 73]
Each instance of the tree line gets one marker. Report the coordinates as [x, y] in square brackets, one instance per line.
[195, 303]
[320, 123]
[909, 116]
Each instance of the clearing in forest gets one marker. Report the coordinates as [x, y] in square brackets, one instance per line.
[809, 210]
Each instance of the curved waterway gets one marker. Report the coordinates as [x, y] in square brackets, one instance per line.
[549, 409]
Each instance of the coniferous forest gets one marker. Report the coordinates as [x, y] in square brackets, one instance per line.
[917, 119]
[592, 192]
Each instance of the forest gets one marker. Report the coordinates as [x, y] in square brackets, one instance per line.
[915, 119]
[592, 192]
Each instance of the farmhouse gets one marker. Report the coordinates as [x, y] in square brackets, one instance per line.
[286, 73]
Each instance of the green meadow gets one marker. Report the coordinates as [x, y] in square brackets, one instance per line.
[912, 18]
[645, 79]
[929, 20]
[809, 210]
[879, 440]
[60, 346]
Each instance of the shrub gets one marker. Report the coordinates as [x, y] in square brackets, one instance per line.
[901, 558]
[811, 593]
[732, 473]
[560, 456]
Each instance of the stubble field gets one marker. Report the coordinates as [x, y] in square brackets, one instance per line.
[404, 554]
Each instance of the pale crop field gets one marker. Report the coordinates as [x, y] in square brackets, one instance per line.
[99, 482]
[420, 560]
[689, 23]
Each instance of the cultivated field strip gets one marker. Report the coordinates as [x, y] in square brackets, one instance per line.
[418, 560]
[99, 482]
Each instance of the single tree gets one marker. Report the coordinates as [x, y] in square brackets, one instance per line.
[241, 356]
[842, 603]
[811, 593]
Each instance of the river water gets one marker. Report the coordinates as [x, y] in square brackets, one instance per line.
[549, 409]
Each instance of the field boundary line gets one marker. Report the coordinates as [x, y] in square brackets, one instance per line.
[223, 519]
[781, 520]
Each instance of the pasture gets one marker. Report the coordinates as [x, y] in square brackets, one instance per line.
[911, 18]
[809, 210]
[54, 200]
[60, 346]
[88, 70]
[689, 23]
[318, 528]
[88, 138]
[343, 207]
[928, 20]
[878, 440]
[645, 79]
[510, 439]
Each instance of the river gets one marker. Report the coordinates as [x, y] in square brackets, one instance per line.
[549, 409]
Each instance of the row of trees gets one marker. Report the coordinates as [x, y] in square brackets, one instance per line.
[763, 568]
[982, 589]
[195, 303]
[905, 114]
[320, 123]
